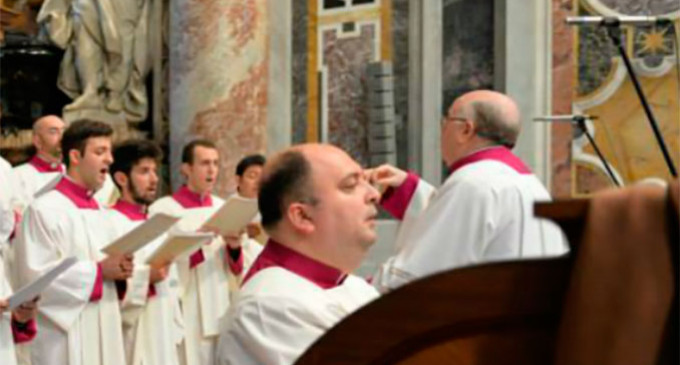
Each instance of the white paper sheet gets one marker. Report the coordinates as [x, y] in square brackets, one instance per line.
[32, 290]
[176, 245]
[233, 216]
[139, 237]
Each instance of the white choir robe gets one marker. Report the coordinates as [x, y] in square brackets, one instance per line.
[30, 179]
[278, 314]
[7, 199]
[149, 328]
[482, 213]
[7, 351]
[108, 193]
[73, 329]
[203, 290]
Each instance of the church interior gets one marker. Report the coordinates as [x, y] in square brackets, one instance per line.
[599, 107]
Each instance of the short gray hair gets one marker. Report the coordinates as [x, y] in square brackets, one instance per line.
[492, 123]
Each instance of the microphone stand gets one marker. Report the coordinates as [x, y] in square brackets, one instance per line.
[581, 123]
[612, 25]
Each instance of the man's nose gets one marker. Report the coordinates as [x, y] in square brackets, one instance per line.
[372, 194]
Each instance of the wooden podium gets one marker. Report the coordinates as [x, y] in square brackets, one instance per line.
[537, 311]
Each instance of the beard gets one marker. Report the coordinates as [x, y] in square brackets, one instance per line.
[139, 198]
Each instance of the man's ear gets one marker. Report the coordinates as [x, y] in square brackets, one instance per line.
[74, 157]
[120, 178]
[36, 141]
[184, 169]
[469, 128]
[300, 218]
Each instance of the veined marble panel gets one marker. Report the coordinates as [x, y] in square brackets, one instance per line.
[345, 58]
[218, 80]
[468, 52]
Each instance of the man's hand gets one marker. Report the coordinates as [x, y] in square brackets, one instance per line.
[26, 311]
[385, 176]
[157, 274]
[253, 229]
[117, 267]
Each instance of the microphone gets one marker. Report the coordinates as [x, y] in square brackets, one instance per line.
[568, 118]
[618, 20]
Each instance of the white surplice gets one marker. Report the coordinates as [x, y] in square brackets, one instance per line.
[149, 328]
[29, 181]
[7, 351]
[73, 329]
[204, 289]
[108, 193]
[278, 314]
[482, 213]
[7, 199]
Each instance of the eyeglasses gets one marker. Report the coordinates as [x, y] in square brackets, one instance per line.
[446, 118]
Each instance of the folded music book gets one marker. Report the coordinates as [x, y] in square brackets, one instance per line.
[141, 236]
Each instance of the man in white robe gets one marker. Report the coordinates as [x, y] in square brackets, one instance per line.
[147, 300]
[7, 199]
[319, 212]
[45, 166]
[204, 283]
[79, 318]
[248, 173]
[16, 328]
[484, 210]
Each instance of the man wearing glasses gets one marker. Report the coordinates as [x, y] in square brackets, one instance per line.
[482, 212]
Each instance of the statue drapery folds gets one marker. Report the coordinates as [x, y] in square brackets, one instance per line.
[107, 56]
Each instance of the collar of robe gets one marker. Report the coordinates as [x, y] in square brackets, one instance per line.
[188, 199]
[134, 212]
[78, 194]
[44, 166]
[275, 254]
[498, 153]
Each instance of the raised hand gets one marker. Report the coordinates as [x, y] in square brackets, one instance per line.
[385, 176]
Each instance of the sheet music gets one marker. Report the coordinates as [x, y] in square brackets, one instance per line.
[139, 237]
[233, 216]
[32, 290]
[178, 244]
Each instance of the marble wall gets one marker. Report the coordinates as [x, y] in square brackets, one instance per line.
[218, 80]
[468, 49]
[346, 59]
[299, 99]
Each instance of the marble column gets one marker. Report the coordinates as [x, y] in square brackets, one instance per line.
[219, 53]
[425, 91]
[522, 71]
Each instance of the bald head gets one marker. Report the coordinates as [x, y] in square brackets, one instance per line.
[315, 199]
[47, 132]
[496, 116]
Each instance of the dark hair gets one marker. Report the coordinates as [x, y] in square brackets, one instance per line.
[76, 135]
[287, 181]
[493, 124]
[188, 150]
[128, 153]
[246, 162]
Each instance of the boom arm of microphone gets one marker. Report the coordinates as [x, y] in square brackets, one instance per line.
[634, 20]
[612, 25]
[580, 121]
